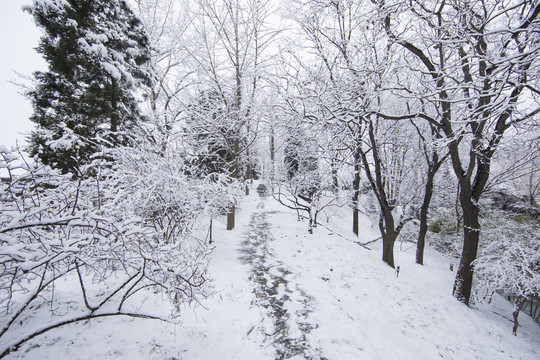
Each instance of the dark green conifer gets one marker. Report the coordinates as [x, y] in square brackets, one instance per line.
[97, 54]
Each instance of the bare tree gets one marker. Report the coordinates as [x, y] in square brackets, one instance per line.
[232, 36]
[355, 66]
[386, 162]
[479, 60]
[166, 23]
[433, 161]
[335, 34]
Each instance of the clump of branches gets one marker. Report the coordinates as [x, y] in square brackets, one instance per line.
[305, 194]
[124, 223]
[509, 262]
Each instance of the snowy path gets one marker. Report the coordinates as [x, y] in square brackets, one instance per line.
[273, 292]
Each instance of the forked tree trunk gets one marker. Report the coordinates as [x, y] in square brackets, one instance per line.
[376, 179]
[434, 164]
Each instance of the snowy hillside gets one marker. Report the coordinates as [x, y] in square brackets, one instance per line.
[281, 293]
[126, 226]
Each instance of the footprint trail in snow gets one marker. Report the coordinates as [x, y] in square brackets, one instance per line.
[286, 305]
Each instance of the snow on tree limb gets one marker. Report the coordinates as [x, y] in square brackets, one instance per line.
[131, 218]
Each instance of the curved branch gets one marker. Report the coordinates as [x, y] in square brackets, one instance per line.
[15, 346]
[409, 117]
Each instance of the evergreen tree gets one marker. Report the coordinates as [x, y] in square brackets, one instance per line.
[96, 52]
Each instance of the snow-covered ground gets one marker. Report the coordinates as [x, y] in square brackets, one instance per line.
[280, 292]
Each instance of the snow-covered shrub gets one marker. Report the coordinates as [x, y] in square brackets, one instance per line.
[160, 190]
[291, 193]
[444, 235]
[509, 261]
[409, 232]
[120, 230]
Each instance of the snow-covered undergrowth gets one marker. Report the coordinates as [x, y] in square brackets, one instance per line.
[338, 300]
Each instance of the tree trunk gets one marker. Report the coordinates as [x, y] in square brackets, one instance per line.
[335, 182]
[471, 236]
[355, 221]
[114, 106]
[387, 227]
[388, 249]
[389, 235]
[423, 216]
[272, 153]
[249, 168]
[517, 307]
[230, 218]
[249, 172]
[234, 175]
[356, 191]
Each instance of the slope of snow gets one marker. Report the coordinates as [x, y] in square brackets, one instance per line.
[365, 311]
[321, 296]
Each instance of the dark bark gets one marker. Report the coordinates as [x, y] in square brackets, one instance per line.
[434, 166]
[517, 307]
[389, 235]
[234, 175]
[230, 218]
[272, 146]
[355, 221]
[249, 172]
[471, 236]
[239, 123]
[423, 221]
[356, 190]
[335, 182]
[249, 167]
[114, 106]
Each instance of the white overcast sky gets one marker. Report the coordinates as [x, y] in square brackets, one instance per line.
[18, 38]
